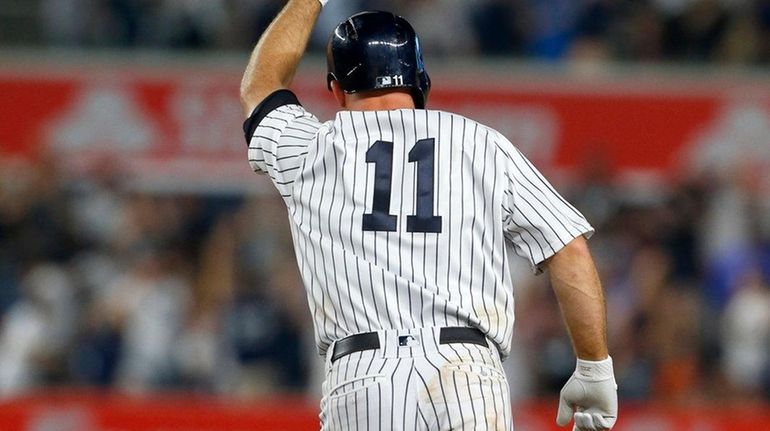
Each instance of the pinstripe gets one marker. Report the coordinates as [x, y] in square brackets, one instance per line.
[473, 405]
[370, 141]
[484, 256]
[460, 262]
[439, 192]
[407, 390]
[379, 408]
[346, 423]
[293, 126]
[422, 416]
[286, 135]
[452, 150]
[497, 405]
[501, 405]
[270, 127]
[335, 403]
[355, 410]
[368, 409]
[393, 393]
[291, 156]
[475, 213]
[374, 298]
[430, 398]
[425, 234]
[457, 395]
[346, 377]
[368, 368]
[411, 239]
[366, 143]
[269, 139]
[484, 402]
[340, 422]
[496, 256]
[414, 421]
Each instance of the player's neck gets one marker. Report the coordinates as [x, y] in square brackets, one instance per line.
[380, 101]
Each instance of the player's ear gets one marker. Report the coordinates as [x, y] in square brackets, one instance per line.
[339, 94]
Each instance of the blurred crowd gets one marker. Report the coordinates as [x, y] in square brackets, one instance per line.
[105, 286]
[722, 31]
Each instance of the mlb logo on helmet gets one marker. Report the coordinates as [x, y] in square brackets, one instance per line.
[384, 80]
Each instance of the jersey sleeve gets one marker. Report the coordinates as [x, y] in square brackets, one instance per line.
[278, 134]
[537, 220]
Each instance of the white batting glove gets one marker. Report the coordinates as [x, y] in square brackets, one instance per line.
[323, 2]
[590, 396]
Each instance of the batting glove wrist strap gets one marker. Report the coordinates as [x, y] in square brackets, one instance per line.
[594, 371]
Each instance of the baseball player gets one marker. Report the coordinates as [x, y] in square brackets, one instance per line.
[400, 218]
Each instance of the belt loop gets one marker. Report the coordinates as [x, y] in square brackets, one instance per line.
[436, 334]
[329, 354]
[388, 343]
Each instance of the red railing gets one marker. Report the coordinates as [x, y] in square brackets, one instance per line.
[92, 411]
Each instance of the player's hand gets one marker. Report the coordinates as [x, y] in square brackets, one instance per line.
[590, 396]
[323, 2]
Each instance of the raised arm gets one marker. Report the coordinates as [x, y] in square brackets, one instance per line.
[276, 57]
[590, 395]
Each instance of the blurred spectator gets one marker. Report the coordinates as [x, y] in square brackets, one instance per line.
[37, 331]
[551, 27]
[694, 32]
[746, 333]
[148, 304]
[496, 24]
[762, 13]
[593, 30]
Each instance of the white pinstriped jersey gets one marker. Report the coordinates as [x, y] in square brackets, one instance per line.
[400, 218]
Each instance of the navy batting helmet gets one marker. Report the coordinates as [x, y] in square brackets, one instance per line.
[374, 51]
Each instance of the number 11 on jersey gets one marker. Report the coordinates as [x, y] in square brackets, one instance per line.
[380, 219]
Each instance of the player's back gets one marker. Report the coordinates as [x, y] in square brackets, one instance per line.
[398, 223]
[400, 218]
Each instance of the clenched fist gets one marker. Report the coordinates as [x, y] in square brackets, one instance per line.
[590, 396]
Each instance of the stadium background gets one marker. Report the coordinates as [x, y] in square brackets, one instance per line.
[147, 279]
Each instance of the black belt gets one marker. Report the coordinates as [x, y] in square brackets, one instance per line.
[371, 341]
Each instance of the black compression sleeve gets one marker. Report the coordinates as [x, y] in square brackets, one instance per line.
[272, 102]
